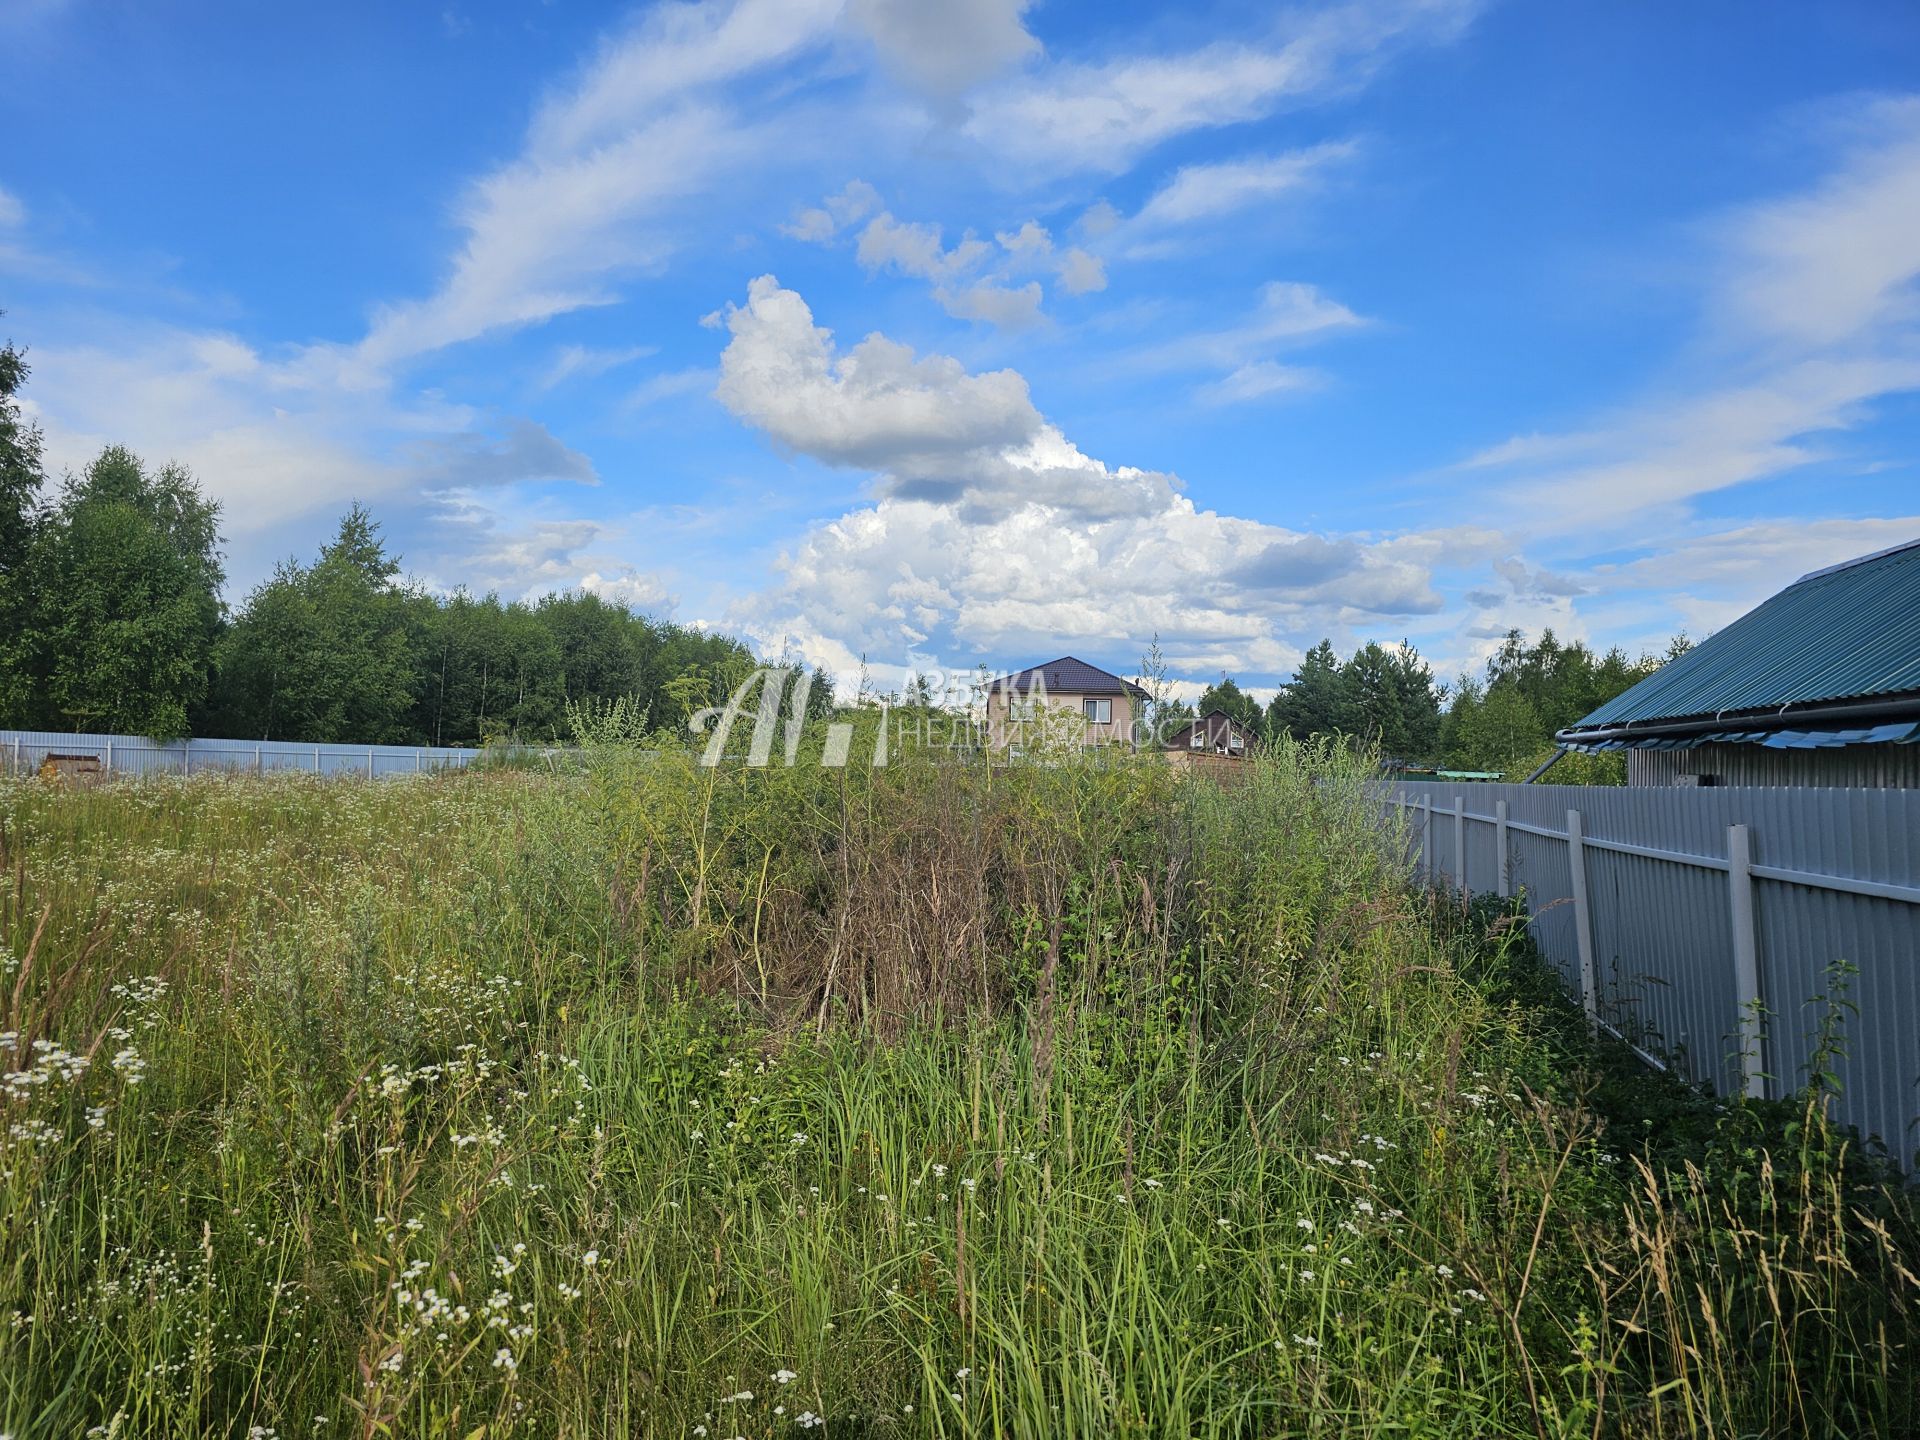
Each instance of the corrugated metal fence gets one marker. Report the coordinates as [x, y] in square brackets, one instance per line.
[23, 752]
[1673, 912]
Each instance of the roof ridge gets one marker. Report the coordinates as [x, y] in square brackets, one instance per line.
[1859, 560]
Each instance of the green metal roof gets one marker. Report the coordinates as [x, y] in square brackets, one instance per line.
[1848, 632]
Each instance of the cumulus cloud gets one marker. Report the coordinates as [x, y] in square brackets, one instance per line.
[877, 406]
[917, 250]
[1009, 307]
[993, 532]
[973, 279]
[946, 48]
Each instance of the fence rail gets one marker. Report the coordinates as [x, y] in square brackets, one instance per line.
[24, 752]
[1656, 907]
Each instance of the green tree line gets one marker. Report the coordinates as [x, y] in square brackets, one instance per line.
[1502, 721]
[111, 619]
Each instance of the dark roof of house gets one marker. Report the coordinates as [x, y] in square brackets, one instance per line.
[1845, 636]
[1068, 676]
[1184, 734]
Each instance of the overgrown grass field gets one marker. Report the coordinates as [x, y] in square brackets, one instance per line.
[933, 1100]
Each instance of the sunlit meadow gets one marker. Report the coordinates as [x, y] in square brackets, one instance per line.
[1067, 1100]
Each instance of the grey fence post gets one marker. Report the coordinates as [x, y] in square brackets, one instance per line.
[316, 759]
[369, 762]
[1582, 913]
[16, 757]
[1746, 960]
[418, 766]
[1500, 847]
[1460, 844]
[259, 761]
[186, 758]
[109, 755]
[1426, 835]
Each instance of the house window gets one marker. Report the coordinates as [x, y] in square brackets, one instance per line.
[1234, 742]
[1020, 709]
[1099, 712]
[1196, 738]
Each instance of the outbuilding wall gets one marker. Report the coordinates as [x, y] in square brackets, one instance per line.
[1868, 767]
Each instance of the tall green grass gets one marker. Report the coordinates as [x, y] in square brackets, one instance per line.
[926, 1100]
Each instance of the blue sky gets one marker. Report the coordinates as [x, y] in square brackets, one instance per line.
[985, 331]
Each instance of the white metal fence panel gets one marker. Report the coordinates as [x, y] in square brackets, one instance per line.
[1670, 910]
[22, 752]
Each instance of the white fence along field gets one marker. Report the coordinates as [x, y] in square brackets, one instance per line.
[1702, 924]
[23, 752]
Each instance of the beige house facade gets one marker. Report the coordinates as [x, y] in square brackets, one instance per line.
[1064, 701]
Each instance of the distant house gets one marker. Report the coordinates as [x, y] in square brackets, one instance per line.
[1046, 699]
[1214, 733]
[1818, 686]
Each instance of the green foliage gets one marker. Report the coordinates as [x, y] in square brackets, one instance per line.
[345, 650]
[1388, 699]
[1382, 696]
[1061, 1100]
[1228, 698]
[21, 479]
[125, 576]
[1312, 703]
[324, 652]
[1507, 721]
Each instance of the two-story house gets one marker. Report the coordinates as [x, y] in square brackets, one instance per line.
[1062, 699]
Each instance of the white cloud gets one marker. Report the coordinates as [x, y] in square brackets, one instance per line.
[524, 450]
[1010, 307]
[854, 203]
[1822, 267]
[488, 542]
[948, 47]
[606, 162]
[274, 440]
[670, 385]
[970, 281]
[1257, 380]
[1210, 191]
[674, 50]
[994, 534]
[916, 250]
[876, 407]
[1081, 273]
[1810, 319]
[1075, 116]
[12, 212]
[1285, 315]
[584, 362]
